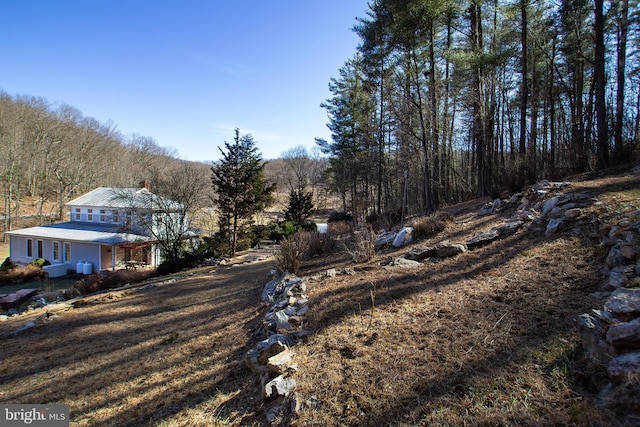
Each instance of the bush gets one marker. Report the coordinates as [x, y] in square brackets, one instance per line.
[40, 262]
[20, 274]
[384, 221]
[339, 228]
[300, 207]
[319, 244]
[290, 253]
[30, 272]
[362, 245]
[7, 265]
[429, 226]
[110, 279]
[259, 232]
[309, 226]
[169, 267]
[289, 228]
[339, 216]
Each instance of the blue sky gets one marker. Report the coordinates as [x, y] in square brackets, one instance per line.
[185, 73]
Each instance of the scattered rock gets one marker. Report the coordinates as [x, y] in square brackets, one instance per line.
[625, 366]
[592, 333]
[549, 204]
[490, 208]
[280, 386]
[614, 280]
[624, 303]
[400, 262]
[403, 237]
[282, 320]
[446, 251]
[553, 226]
[625, 335]
[24, 327]
[420, 253]
[572, 214]
[281, 327]
[384, 239]
[281, 362]
[483, 239]
[275, 287]
[509, 228]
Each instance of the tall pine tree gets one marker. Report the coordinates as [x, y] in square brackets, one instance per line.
[240, 187]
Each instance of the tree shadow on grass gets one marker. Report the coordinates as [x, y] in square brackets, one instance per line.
[148, 357]
[540, 315]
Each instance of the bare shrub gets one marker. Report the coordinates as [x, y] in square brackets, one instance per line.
[385, 220]
[428, 226]
[20, 274]
[110, 279]
[339, 228]
[319, 244]
[291, 250]
[361, 246]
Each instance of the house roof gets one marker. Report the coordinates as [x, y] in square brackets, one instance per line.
[124, 198]
[81, 232]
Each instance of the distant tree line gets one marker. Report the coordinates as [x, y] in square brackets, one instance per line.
[52, 154]
[472, 98]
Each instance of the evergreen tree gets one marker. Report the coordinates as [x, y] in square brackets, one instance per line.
[300, 207]
[240, 187]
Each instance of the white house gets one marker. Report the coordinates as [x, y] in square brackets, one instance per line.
[108, 227]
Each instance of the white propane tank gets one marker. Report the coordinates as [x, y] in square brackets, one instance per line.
[87, 268]
[79, 267]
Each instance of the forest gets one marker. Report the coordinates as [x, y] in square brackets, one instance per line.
[443, 101]
[469, 99]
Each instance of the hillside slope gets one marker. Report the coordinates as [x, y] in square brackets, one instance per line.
[487, 337]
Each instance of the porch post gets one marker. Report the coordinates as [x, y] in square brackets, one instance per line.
[113, 257]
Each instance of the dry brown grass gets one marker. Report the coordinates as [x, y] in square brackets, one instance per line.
[170, 355]
[486, 338]
[428, 226]
[20, 274]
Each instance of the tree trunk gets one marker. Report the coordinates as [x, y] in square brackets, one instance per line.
[552, 114]
[477, 133]
[622, 58]
[524, 86]
[602, 143]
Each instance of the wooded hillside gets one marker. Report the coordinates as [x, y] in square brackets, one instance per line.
[52, 154]
[443, 101]
[473, 98]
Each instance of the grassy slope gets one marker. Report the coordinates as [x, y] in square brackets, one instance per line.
[485, 338]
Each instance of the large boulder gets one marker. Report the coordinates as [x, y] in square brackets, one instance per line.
[443, 249]
[403, 237]
[483, 239]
